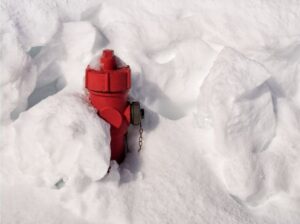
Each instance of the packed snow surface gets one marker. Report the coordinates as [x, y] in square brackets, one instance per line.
[220, 83]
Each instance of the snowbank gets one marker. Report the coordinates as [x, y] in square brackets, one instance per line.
[220, 84]
[58, 138]
[236, 101]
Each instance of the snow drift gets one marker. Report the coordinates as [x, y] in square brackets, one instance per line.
[220, 84]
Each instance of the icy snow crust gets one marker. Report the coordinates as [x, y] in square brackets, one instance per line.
[220, 82]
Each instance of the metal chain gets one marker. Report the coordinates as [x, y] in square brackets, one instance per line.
[140, 137]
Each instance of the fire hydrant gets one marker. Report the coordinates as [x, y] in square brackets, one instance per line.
[108, 90]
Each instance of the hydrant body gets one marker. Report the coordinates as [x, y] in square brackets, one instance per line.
[108, 90]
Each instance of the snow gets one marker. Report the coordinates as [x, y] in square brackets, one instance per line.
[243, 120]
[220, 82]
[74, 144]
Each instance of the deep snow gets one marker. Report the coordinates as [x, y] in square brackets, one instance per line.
[220, 81]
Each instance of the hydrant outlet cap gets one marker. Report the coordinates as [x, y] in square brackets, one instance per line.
[136, 113]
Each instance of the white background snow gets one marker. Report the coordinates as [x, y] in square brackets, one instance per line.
[220, 82]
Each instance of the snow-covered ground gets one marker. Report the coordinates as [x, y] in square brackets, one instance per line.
[220, 82]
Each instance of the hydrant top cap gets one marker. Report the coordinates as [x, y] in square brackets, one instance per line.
[107, 60]
[110, 78]
[108, 53]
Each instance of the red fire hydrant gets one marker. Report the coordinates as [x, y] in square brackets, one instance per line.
[108, 92]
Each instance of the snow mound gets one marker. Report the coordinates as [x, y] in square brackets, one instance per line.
[62, 62]
[236, 101]
[175, 76]
[58, 139]
[18, 77]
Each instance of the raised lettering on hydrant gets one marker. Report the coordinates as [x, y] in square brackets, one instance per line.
[108, 92]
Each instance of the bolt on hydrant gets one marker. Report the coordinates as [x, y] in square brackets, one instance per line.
[108, 90]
